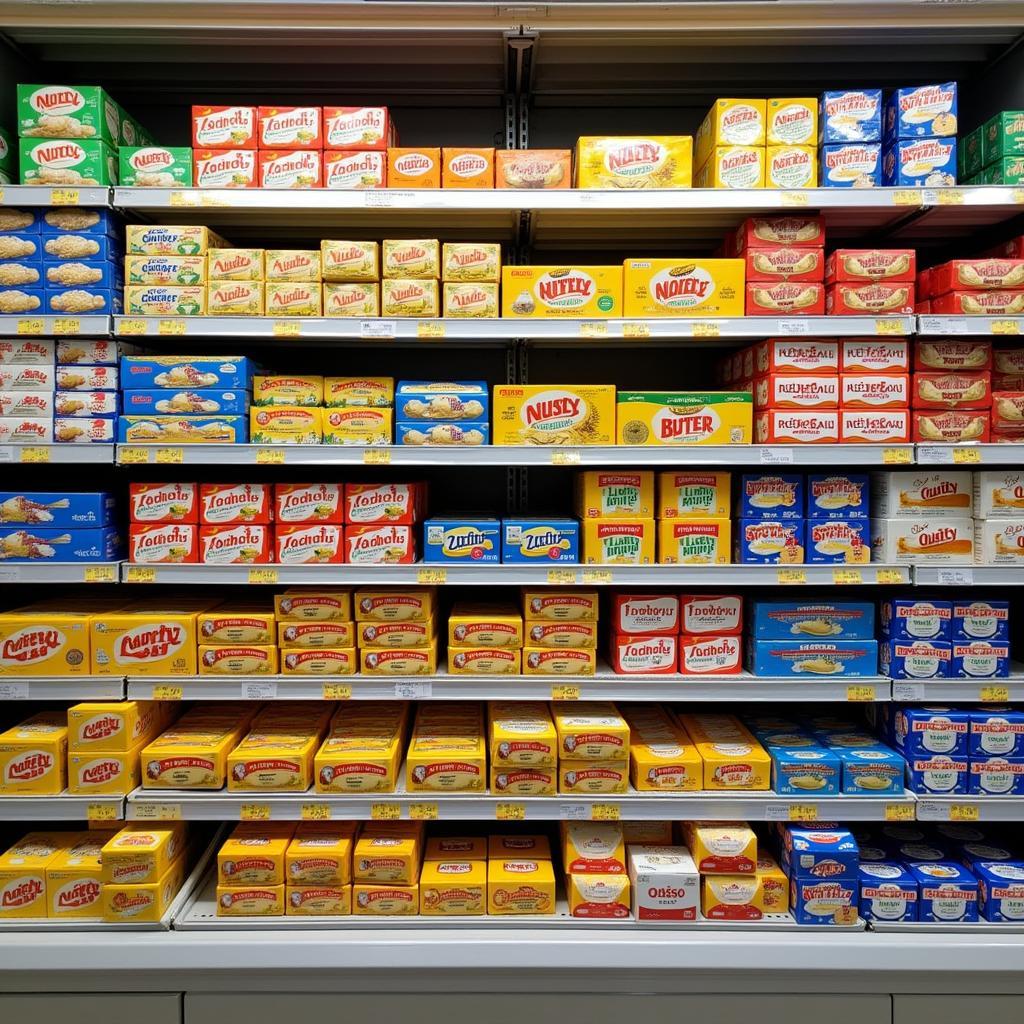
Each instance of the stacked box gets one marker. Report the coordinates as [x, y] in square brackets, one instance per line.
[560, 632]
[485, 639]
[442, 413]
[772, 519]
[396, 631]
[105, 744]
[919, 136]
[470, 275]
[523, 749]
[851, 136]
[823, 870]
[447, 750]
[58, 527]
[593, 748]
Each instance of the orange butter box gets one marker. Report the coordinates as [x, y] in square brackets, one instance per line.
[308, 544]
[378, 544]
[793, 355]
[952, 390]
[414, 168]
[151, 543]
[467, 168]
[352, 170]
[807, 391]
[874, 391]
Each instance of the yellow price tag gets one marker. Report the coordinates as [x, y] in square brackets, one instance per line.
[1018, 196]
[561, 577]
[966, 455]
[899, 812]
[1006, 327]
[130, 328]
[963, 812]
[567, 457]
[162, 692]
[287, 329]
[949, 197]
[374, 456]
[423, 812]
[270, 457]
[907, 197]
[337, 691]
[803, 812]
[565, 691]
[316, 812]
[34, 455]
[791, 198]
[605, 812]
[789, 576]
[254, 812]
[590, 329]
[183, 199]
[157, 812]
[599, 576]
[702, 329]
[101, 574]
[30, 326]
[169, 456]
[64, 197]
[994, 693]
[67, 325]
[385, 812]
[861, 692]
[845, 577]
[132, 456]
[262, 575]
[889, 576]
[140, 574]
[636, 330]
[889, 327]
[430, 329]
[168, 328]
[510, 812]
[897, 456]
[432, 576]
[101, 812]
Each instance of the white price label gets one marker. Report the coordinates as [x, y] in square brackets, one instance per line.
[14, 691]
[908, 691]
[956, 577]
[935, 454]
[377, 197]
[6, 453]
[377, 328]
[575, 812]
[794, 327]
[413, 691]
[943, 325]
[776, 812]
[10, 575]
[776, 456]
[259, 691]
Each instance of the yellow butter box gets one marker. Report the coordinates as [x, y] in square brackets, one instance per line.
[683, 288]
[618, 542]
[359, 391]
[456, 848]
[411, 258]
[792, 121]
[471, 261]
[288, 390]
[733, 167]
[468, 299]
[234, 298]
[170, 240]
[521, 733]
[111, 725]
[23, 891]
[488, 661]
[292, 264]
[358, 763]
[323, 633]
[321, 856]
[141, 852]
[484, 625]
[731, 122]
[237, 624]
[591, 731]
[34, 755]
[523, 885]
[721, 847]
[354, 425]
[702, 541]
[774, 885]
[632, 162]
[557, 414]
[593, 776]
[350, 261]
[409, 297]
[399, 661]
[731, 763]
[278, 762]
[562, 291]
[305, 604]
[559, 661]
[319, 661]
[250, 900]
[165, 300]
[285, 424]
[683, 418]
[352, 298]
[524, 780]
[694, 494]
[395, 604]
[98, 771]
[393, 858]
[607, 494]
[238, 660]
[153, 642]
[598, 897]
[732, 897]
[293, 298]
[38, 642]
[383, 900]
[453, 887]
[318, 900]
[791, 167]
[456, 763]
[661, 754]
[560, 605]
[73, 876]
[593, 847]
[165, 270]
[235, 265]
[543, 633]
[252, 857]
[189, 758]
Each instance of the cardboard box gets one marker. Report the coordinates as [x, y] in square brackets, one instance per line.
[350, 261]
[224, 127]
[358, 128]
[935, 493]
[533, 168]
[560, 606]
[910, 619]
[667, 418]
[361, 426]
[879, 297]
[526, 541]
[163, 503]
[163, 542]
[767, 541]
[23, 883]
[467, 168]
[285, 424]
[618, 541]
[734, 122]
[33, 755]
[553, 414]
[470, 299]
[655, 161]
[157, 641]
[559, 661]
[874, 391]
[788, 264]
[520, 886]
[926, 110]
[665, 883]
[608, 494]
[640, 654]
[414, 168]
[590, 731]
[155, 167]
[682, 288]
[725, 848]
[250, 901]
[81, 112]
[786, 298]
[949, 892]
[599, 897]
[309, 544]
[703, 541]
[782, 391]
[225, 168]
[293, 298]
[710, 655]
[837, 541]
[351, 299]
[980, 620]
[67, 162]
[556, 635]
[875, 355]
[453, 887]
[471, 261]
[521, 734]
[238, 660]
[165, 300]
[951, 427]
[791, 166]
[408, 297]
[350, 169]
[861, 265]
[917, 162]
[923, 540]
[333, 633]
[792, 122]
[952, 390]
[565, 291]
[290, 128]
[234, 544]
[732, 167]
[846, 658]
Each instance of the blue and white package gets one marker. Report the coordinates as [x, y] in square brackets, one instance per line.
[22, 299]
[930, 162]
[428, 401]
[847, 739]
[57, 510]
[838, 496]
[83, 274]
[949, 892]
[83, 300]
[973, 854]
[824, 901]
[76, 245]
[428, 432]
[22, 221]
[851, 115]
[819, 853]
[996, 732]
[472, 538]
[45, 544]
[939, 774]
[920, 111]
[980, 620]
[871, 771]
[848, 659]
[770, 541]
[907, 618]
[203, 402]
[921, 851]
[813, 620]
[1001, 890]
[888, 891]
[916, 659]
[62, 221]
[797, 771]
[851, 165]
[980, 659]
[772, 496]
[924, 731]
[530, 541]
[996, 776]
[837, 541]
[142, 372]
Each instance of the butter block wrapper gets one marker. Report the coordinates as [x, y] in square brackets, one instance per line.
[916, 659]
[980, 659]
[529, 541]
[949, 892]
[838, 541]
[888, 892]
[941, 774]
[783, 620]
[851, 116]
[769, 541]
[182, 430]
[465, 433]
[845, 658]
[801, 771]
[185, 372]
[46, 544]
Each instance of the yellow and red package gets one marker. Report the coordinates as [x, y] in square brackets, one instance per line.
[370, 504]
[224, 127]
[874, 355]
[307, 503]
[352, 169]
[793, 355]
[222, 504]
[309, 543]
[803, 232]
[877, 297]
[291, 168]
[787, 391]
[533, 168]
[225, 168]
[239, 544]
[953, 354]
[358, 128]
[796, 426]
[163, 503]
[380, 544]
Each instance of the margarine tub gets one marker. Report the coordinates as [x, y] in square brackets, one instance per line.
[453, 887]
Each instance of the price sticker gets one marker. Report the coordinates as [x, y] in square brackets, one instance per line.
[140, 574]
[906, 197]
[593, 329]
[803, 812]
[183, 199]
[287, 329]
[102, 812]
[156, 812]
[377, 329]
[565, 691]
[964, 812]
[1005, 327]
[33, 454]
[162, 692]
[270, 457]
[423, 812]
[792, 198]
[889, 576]
[127, 328]
[847, 577]
[897, 456]
[373, 456]
[887, 326]
[966, 455]
[907, 691]
[561, 577]
[862, 692]
[899, 812]
[994, 693]
[259, 691]
[943, 196]
[432, 576]
[262, 575]
[100, 574]
[132, 456]
[597, 576]
[633, 329]
[316, 812]
[510, 812]
[1018, 196]
[254, 812]
[702, 329]
[574, 812]
[215, 198]
[414, 690]
[14, 691]
[385, 812]
[565, 457]
[337, 691]
[605, 812]
[67, 325]
[64, 197]
[30, 326]
[430, 329]
[955, 577]
[170, 328]
[791, 576]
[794, 327]
[169, 456]
[769, 456]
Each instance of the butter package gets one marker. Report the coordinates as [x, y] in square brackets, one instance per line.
[521, 734]
[792, 122]
[802, 770]
[844, 541]
[161, 641]
[318, 900]
[649, 614]
[402, 661]
[630, 162]
[165, 270]
[165, 402]
[996, 776]
[666, 418]
[710, 655]
[591, 731]
[927, 110]
[638, 654]
[938, 773]
[409, 297]
[1000, 890]
[694, 542]
[831, 901]
[360, 760]
[980, 620]
[111, 726]
[732, 167]
[190, 757]
[141, 852]
[23, 881]
[851, 116]
[306, 605]
[350, 261]
[253, 858]
[561, 605]
[165, 300]
[185, 372]
[114, 771]
[250, 900]
[999, 541]
[933, 494]
[837, 496]
[888, 892]
[476, 539]
[565, 291]
[996, 732]
[385, 900]
[145, 902]
[238, 660]
[392, 857]
[593, 777]
[278, 761]
[781, 620]
[593, 848]
[683, 288]
[167, 240]
[471, 261]
[712, 615]
[496, 625]
[874, 355]
[661, 755]
[554, 414]
[520, 885]
[353, 298]
[452, 760]
[387, 635]
[608, 494]
[599, 897]
[416, 604]
[771, 541]
[618, 542]
[925, 540]
[980, 659]
[930, 162]
[470, 299]
[411, 258]
[916, 659]
[998, 494]
[665, 883]
[528, 540]
[721, 848]
[485, 661]
[541, 633]
[320, 661]
[235, 265]
[293, 298]
[949, 892]
[34, 754]
[42, 544]
[791, 166]
[320, 856]
[846, 658]
[182, 429]
[285, 424]
[292, 265]
[287, 390]
[359, 391]
[736, 763]
[732, 898]
[73, 887]
[359, 426]
[48, 644]
[693, 494]
[772, 496]
[528, 780]
[453, 887]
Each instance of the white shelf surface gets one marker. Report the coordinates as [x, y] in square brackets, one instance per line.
[64, 807]
[969, 808]
[74, 454]
[72, 688]
[956, 691]
[36, 324]
[969, 454]
[59, 572]
[54, 195]
[916, 928]
[969, 575]
[944, 326]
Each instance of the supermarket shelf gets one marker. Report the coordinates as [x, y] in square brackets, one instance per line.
[61, 808]
[59, 572]
[55, 326]
[70, 688]
[45, 195]
[150, 804]
[970, 454]
[943, 326]
[970, 808]
[969, 575]
[67, 454]
[510, 575]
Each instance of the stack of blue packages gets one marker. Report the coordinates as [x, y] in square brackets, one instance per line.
[442, 412]
[851, 137]
[919, 136]
[40, 526]
[87, 399]
[82, 261]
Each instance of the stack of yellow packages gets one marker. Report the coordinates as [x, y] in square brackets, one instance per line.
[411, 269]
[351, 274]
[560, 632]
[363, 750]
[453, 881]
[485, 639]
[448, 749]
[277, 754]
[34, 755]
[386, 869]
[142, 869]
[287, 409]
[520, 876]
[236, 282]
[105, 743]
[594, 858]
[693, 513]
[471, 272]
[316, 632]
[293, 282]
[662, 756]
[251, 870]
[523, 747]
[733, 758]
[616, 509]
[396, 631]
[166, 270]
[237, 640]
[593, 748]
[359, 410]
[318, 869]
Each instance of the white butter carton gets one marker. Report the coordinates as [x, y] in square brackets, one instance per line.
[999, 493]
[999, 541]
[913, 493]
[665, 883]
[923, 541]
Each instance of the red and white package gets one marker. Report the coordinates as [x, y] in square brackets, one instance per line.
[795, 232]
[782, 391]
[862, 265]
[80, 430]
[796, 426]
[877, 298]
[874, 390]
[649, 614]
[711, 614]
[307, 503]
[290, 127]
[784, 263]
[946, 427]
[995, 303]
[382, 544]
[221, 504]
[368, 504]
[350, 170]
[223, 128]
[358, 128]
[923, 284]
[874, 355]
[1009, 361]
[952, 390]
[977, 275]
[30, 403]
[151, 543]
[881, 426]
[1008, 411]
[787, 298]
[644, 654]
[291, 168]
[237, 544]
[163, 503]
[225, 168]
[710, 655]
[308, 544]
[965, 354]
[793, 355]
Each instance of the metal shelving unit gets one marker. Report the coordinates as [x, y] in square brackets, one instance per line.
[66, 454]
[969, 455]
[60, 572]
[970, 808]
[956, 691]
[63, 688]
[36, 324]
[66, 807]
[54, 195]
[969, 575]
[944, 326]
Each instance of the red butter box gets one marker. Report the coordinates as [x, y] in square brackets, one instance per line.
[648, 614]
[308, 543]
[225, 168]
[784, 263]
[290, 127]
[385, 543]
[794, 355]
[710, 655]
[221, 504]
[977, 275]
[163, 503]
[307, 503]
[952, 390]
[236, 544]
[781, 391]
[1004, 302]
[972, 354]
[291, 168]
[163, 542]
[711, 614]
[875, 298]
[349, 170]
[946, 427]
[368, 504]
[1008, 411]
[874, 426]
[874, 390]
[860, 265]
[644, 654]
[787, 298]
[769, 231]
[223, 127]
[358, 128]
[874, 355]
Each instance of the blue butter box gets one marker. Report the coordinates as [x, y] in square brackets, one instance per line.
[540, 540]
[980, 659]
[849, 659]
[916, 659]
[851, 115]
[838, 496]
[21, 272]
[468, 432]
[473, 538]
[81, 222]
[87, 301]
[996, 776]
[22, 221]
[24, 299]
[142, 372]
[973, 854]
[939, 774]
[20, 248]
[87, 274]
[996, 732]
[824, 901]
[924, 731]
[949, 892]
[921, 851]
[46, 544]
[819, 852]
[426, 400]
[980, 620]
[846, 739]
[74, 245]
[920, 111]
[888, 891]
[204, 401]
[772, 496]
[58, 510]
[910, 619]
[183, 429]
[838, 541]
[801, 771]
[770, 541]
[920, 162]
[871, 771]
[1001, 890]
[851, 165]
